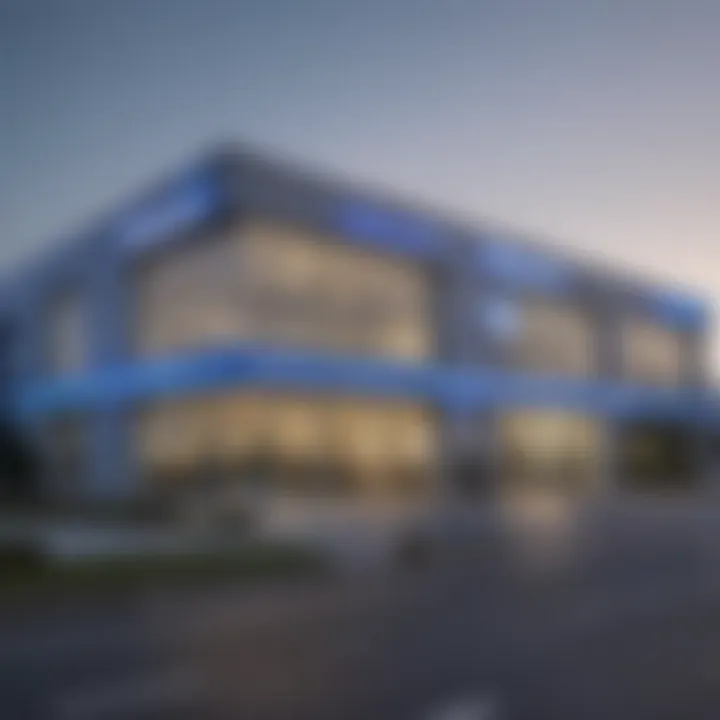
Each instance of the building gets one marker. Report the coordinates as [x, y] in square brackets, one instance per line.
[244, 315]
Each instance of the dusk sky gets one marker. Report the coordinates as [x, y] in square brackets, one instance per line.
[592, 124]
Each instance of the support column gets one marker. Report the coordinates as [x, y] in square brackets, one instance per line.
[470, 455]
[112, 472]
[610, 456]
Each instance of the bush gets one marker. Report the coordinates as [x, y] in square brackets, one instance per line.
[20, 558]
[25, 571]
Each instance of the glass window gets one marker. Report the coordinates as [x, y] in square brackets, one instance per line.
[285, 287]
[333, 446]
[185, 299]
[316, 293]
[556, 338]
[550, 450]
[652, 353]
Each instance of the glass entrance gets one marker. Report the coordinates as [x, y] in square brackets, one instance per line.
[298, 446]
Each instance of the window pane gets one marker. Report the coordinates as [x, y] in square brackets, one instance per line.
[652, 353]
[556, 338]
[329, 445]
[285, 287]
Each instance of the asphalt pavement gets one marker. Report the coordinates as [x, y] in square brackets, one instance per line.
[615, 618]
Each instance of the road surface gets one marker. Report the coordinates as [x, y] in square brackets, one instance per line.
[618, 621]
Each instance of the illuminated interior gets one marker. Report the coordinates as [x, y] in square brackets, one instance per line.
[556, 338]
[550, 450]
[653, 354]
[292, 445]
[286, 287]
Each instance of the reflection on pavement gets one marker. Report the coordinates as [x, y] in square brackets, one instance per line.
[543, 529]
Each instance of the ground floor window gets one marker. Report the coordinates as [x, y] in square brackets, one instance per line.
[305, 446]
[550, 450]
[657, 456]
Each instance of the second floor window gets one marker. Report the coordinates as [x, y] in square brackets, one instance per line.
[652, 353]
[554, 337]
[282, 286]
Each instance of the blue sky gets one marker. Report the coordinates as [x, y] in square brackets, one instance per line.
[593, 124]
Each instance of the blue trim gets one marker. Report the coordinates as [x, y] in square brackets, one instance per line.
[678, 310]
[397, 232]
[252, 366]
[522, 268]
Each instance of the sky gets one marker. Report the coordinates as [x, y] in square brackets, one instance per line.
[591, 124]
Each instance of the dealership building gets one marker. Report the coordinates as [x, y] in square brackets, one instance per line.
[247, 319]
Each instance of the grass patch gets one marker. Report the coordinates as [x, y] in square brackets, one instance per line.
[137, 573]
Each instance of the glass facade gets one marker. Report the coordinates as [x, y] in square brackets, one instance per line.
[545, 450]
[293, 445]
[283, 287]
[555, 338]
[275, 285]
[653, 354]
